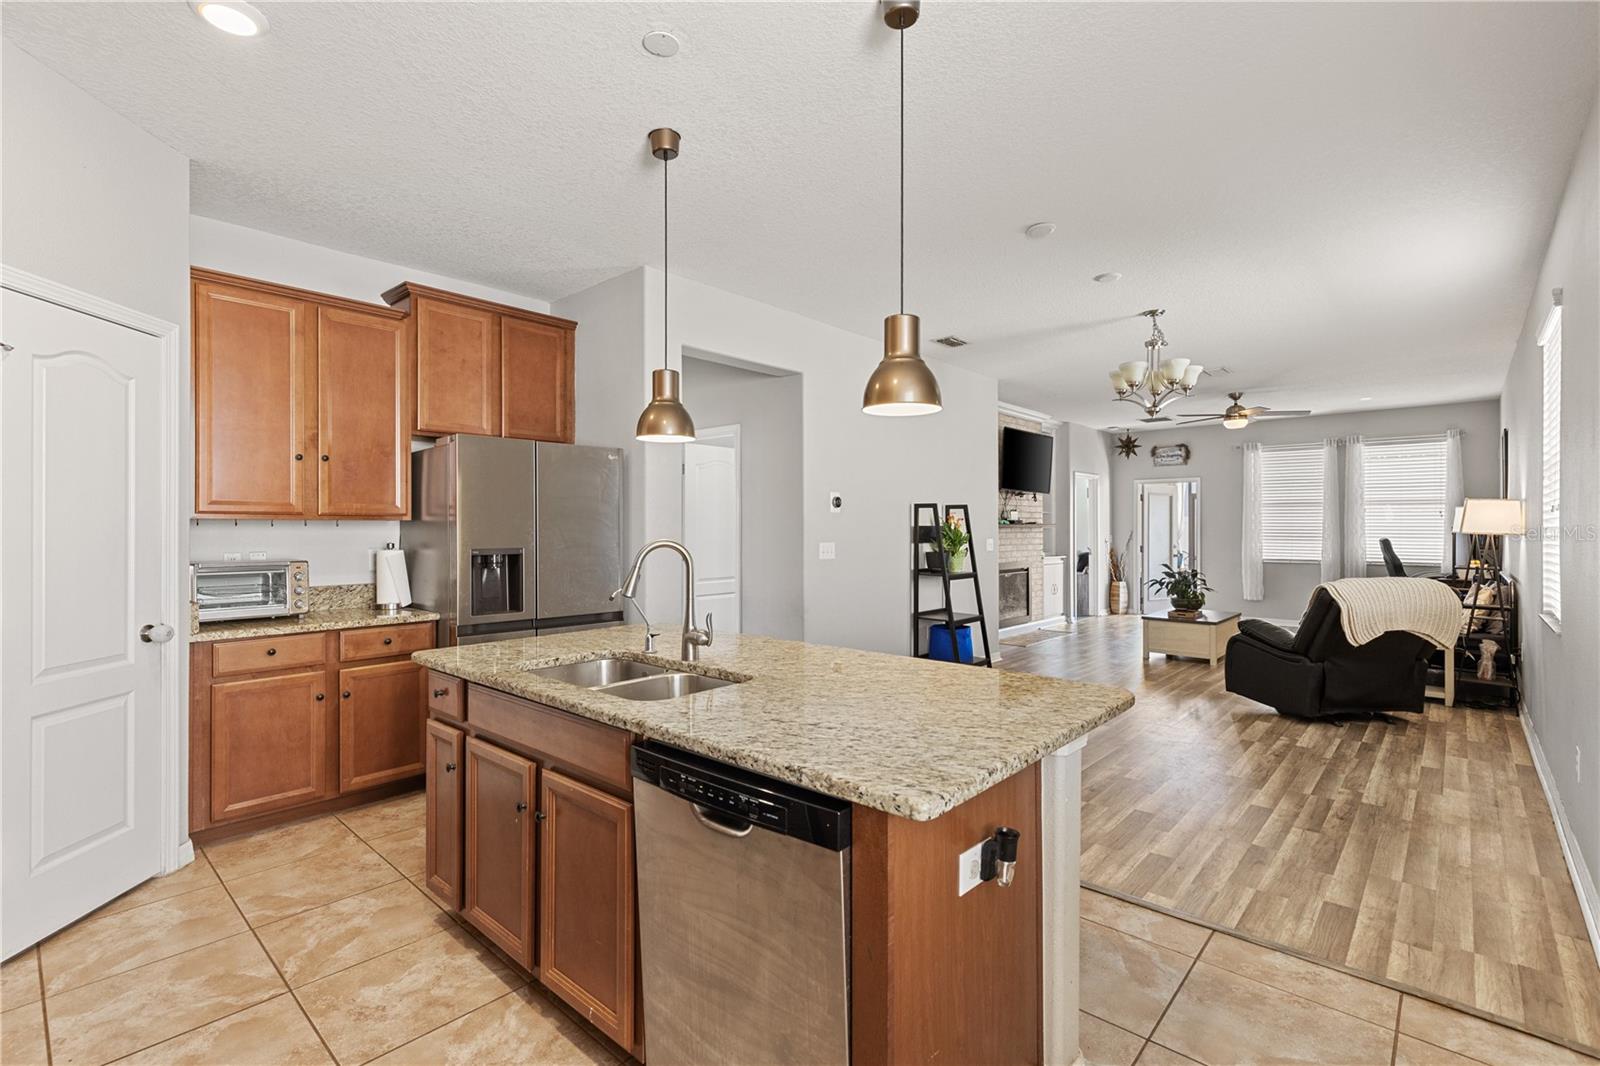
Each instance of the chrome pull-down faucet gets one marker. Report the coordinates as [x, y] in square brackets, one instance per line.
[693, 639]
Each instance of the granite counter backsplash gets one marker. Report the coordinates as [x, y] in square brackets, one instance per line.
[908, 736]
[331, 607]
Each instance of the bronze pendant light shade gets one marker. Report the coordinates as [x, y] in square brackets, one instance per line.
[902, 384]
[664, 419]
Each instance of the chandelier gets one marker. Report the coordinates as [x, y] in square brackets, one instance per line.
[1155, 383]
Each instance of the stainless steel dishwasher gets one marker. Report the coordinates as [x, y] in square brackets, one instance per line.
[744, 915]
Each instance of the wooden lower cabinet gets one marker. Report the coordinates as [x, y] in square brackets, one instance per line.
[586, 902]
[273, 744]
[501, 796]
[381, 716]
[446, 761]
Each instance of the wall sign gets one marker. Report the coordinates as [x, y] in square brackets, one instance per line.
[1169, 454]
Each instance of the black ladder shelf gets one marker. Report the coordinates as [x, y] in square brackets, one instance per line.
[925, 537]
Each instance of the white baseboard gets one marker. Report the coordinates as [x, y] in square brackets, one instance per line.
[1588, 898]
[1025, 627]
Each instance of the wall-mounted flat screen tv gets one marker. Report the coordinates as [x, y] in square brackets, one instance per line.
[1025, 460]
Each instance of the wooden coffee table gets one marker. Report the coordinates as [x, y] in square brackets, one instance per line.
[1205, 637]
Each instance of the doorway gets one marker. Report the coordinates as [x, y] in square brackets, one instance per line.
[712, 522]
[1169, 533]
[1087, 557]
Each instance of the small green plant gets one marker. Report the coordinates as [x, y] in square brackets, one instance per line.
[1185, 588]
[952, 536]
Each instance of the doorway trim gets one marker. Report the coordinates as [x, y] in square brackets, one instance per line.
[1095, 547]
[1140, 595]
[176, 848]
[730, 432]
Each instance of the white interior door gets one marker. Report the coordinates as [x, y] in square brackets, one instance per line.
[1086, 584]
[711, 522]
[1159, 504]
[81, 451]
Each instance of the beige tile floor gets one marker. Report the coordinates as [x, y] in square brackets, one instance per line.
[311, 943]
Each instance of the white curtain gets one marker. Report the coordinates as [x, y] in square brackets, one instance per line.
[1355, 510]
[1254, 583]
[1332, 526]
[1454, 490]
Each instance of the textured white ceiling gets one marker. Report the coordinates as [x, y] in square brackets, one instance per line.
[1334, 200]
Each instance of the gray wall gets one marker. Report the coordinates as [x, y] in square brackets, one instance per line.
[1217, 460]
[771, 548]
[1561, 671]
[1080, 449]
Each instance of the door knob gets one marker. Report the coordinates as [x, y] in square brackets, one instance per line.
[156, 633]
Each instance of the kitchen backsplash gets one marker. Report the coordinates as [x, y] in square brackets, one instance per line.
[337, 551]
[341, 597]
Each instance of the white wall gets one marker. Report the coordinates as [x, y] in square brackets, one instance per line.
[1561, 671]
[767, 410]
[1081, 449]
[881, 466]
[1217, 460]
[338, 552]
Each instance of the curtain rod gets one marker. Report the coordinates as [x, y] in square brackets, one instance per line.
[1340, 438]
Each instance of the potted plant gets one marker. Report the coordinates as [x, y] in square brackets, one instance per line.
[954, 540]
[1117, 593]
[1186, 588]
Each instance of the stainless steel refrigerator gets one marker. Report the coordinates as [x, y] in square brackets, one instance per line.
[513, 537]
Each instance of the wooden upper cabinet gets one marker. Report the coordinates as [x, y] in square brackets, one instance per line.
[586, 903]
[363, 420]
[458, 369]
[254, 388]
[488, 368]
[536, 401]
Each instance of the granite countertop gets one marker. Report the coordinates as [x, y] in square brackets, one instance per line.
[311, 622]
[908, 736]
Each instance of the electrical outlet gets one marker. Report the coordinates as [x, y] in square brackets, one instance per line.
[826, 550]
[969, 869]
[988, 545]
[258, 557]
[232, 557]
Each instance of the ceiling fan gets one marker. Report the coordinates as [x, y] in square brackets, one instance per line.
[1237, 416]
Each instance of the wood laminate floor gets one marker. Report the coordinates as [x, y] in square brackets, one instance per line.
[1418, 850]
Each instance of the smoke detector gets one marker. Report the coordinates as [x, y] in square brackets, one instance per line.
[661, 43]
[1040, 230]
[951, 341]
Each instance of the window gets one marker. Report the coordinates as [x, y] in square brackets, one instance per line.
[1550, 473]
[1404, 484]
[1291, 503]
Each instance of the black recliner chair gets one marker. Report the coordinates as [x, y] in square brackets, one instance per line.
[1315, 671]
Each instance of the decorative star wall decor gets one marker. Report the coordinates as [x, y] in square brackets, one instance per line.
[1128, 445]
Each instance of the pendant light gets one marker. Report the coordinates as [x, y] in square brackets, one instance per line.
[902, 384]
[664, 420]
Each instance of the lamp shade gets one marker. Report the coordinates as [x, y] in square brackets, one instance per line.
[664, 420]
[1134, 373]
[1455, 525]
[902, 384]
[1191, 375]
[1492, 517]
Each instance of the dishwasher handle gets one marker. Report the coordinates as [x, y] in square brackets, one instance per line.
[703, 816]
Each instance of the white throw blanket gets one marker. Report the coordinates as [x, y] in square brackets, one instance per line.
[1369, 607]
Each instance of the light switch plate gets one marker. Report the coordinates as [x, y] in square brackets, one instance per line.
[988, 545]
[231, 557]
[969, 874]
[826, 550]
[258, 557]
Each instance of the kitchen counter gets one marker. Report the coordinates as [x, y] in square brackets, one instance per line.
[311, 622]
[909, 737]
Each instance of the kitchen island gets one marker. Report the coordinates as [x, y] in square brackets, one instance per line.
[933, 758]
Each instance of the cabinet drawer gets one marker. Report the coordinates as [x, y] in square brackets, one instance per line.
[445, 695]
[267, 653]
[382, 641]
[591, 751]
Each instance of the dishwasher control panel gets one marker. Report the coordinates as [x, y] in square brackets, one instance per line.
[743, 796]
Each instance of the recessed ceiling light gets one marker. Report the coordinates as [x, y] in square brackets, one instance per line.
[1108, 277]
[1040, 229]
[1366, 399]
[660, 43]
[231, 16]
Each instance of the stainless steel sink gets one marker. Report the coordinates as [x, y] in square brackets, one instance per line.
[597, 673]
[665, 686]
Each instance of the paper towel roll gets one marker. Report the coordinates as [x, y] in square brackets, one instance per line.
[394, 586]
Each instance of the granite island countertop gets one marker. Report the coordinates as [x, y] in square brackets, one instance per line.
[310, 622]
[908, 736]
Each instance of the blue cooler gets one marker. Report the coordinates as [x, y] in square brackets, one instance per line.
[939, 644]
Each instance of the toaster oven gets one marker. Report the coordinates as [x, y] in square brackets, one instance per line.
[224, 592]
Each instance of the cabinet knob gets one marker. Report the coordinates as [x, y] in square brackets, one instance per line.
[521, 806]
[272, 651]
[298, 457]
[345, 693]
[440, 693]
[449, 767]
[324, 458]
[388, 640]
[321, 696]
[538, 816]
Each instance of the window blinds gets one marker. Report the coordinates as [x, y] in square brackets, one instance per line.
[1404, 482]
[1550, 472]
[1291, 503]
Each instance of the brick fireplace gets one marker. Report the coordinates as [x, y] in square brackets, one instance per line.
[1016, 596]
